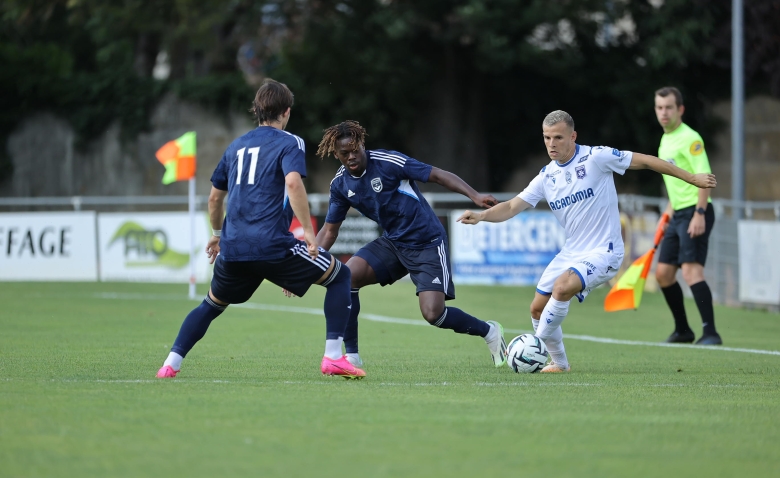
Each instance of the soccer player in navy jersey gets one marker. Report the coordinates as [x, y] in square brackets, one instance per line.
[261, 173]
[382, 186]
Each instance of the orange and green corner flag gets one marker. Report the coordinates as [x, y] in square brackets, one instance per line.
[627, 291]
[178, 157]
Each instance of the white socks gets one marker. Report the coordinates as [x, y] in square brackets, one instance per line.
[333, 348]
[174, 360]
[551, 332]
[552, 316]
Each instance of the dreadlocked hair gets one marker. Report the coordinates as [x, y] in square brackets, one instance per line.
[348, 129]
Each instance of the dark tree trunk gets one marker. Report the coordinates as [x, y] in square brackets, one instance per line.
[449, 133]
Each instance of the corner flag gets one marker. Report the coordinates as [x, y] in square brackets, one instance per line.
[627, 291]
[178, 157]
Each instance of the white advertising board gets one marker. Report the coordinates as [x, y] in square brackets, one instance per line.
[151, 247]
[759, 267]
[514, 252]
[48, 246]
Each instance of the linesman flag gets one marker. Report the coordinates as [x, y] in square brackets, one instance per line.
[627, 291]
[178, 157]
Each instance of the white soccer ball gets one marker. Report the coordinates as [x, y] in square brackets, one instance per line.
[526, 354]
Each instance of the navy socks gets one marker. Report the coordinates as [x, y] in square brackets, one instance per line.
[337, 302]
[351, 334]
[195, 325]
[462, 323]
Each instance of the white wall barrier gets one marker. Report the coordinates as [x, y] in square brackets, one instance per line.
[759, 267]
[48, 246]
[514, 252]
[151, 247]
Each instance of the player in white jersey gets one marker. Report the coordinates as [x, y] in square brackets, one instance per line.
[580, 189]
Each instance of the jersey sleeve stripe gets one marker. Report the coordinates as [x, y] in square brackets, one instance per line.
[299, 140]
[389, 157]
[340, 172]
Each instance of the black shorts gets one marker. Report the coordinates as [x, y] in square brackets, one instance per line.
[428, 268]
[234, 282]
[677, 246]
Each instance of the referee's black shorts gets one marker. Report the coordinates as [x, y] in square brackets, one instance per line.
[677, 247]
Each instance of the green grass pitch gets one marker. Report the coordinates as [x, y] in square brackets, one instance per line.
[78, 395]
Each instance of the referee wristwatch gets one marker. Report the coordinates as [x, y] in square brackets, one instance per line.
[701, 210]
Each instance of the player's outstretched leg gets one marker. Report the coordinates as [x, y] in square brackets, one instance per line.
[337, 303]
[452, 318]
[351, 333]
[192, 330]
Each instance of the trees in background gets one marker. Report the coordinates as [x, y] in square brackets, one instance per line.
[462, 84]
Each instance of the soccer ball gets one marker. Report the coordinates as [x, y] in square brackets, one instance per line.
[526, 354]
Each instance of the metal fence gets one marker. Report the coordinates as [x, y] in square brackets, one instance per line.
[722, 271]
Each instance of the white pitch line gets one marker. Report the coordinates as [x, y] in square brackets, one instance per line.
[398, 320]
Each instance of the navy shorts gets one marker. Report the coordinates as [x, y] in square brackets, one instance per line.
[677, 246]
[234, 282]
[428, 268]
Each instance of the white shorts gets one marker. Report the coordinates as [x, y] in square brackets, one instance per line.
[594, 267]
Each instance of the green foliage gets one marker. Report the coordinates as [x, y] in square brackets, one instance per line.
[395, 66]
[90, 63]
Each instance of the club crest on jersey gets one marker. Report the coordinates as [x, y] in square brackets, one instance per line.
[580, 172]
[376, 184]
[568, 177]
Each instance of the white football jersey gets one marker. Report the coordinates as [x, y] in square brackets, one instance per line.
[581, 193]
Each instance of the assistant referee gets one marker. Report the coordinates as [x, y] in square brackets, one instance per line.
[692, 217]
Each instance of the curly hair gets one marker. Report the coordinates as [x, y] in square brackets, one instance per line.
[347, 129]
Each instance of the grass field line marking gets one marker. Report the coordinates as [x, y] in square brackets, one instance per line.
[309, 382]
[587, 338]
[398, 320]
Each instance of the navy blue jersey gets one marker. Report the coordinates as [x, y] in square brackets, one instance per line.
[252, 171]
[387, 194]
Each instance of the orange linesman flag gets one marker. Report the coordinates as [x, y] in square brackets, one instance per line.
[178, 157]
[627, 291]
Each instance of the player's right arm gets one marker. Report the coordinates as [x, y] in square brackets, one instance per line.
[216, 218]
[328, 235]
[337, 212]
[498, 213]
[299, 202]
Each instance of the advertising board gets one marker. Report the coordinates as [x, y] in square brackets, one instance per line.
[43, 246]
[151, 247]
[514, 252]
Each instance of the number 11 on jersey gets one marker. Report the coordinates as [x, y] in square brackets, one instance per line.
[253, 152]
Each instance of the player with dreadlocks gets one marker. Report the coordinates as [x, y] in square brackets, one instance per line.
[382, 186]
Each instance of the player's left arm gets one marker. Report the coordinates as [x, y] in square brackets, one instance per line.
[455, 184]
[216, 217]
[645, 161]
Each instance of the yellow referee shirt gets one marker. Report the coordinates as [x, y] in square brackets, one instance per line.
[684, 148]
